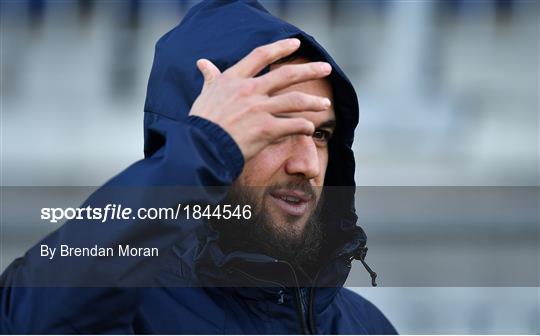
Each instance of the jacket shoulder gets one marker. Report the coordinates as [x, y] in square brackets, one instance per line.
[372, 318]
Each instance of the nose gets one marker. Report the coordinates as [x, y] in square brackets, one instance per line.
[304, 157]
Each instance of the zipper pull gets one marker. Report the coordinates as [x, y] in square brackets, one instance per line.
[281, 297]
[360, 254]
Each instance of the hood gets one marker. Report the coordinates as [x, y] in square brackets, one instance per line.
[224, 32]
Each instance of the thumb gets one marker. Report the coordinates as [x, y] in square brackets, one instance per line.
[209, 71]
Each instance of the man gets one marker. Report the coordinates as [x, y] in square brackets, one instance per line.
[275, 121]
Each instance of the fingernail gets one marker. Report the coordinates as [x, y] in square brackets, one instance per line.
[326, 102]
[294, 42]
[326, 68]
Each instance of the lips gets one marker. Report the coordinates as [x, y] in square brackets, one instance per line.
[292, 202]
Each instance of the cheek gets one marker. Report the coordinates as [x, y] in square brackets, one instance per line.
[323, 161]
[261, 169]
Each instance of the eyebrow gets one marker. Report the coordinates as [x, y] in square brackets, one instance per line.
[328, 124]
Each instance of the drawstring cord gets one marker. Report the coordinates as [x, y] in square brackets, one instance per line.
[360, 254]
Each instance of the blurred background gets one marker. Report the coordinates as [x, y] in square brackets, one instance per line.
[448, 92]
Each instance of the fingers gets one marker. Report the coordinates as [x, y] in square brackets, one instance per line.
[283, 127]
[287, 75]
[262, 56]
[209, 71]
[294, 102]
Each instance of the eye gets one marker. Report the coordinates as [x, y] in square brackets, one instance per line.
[322, 135]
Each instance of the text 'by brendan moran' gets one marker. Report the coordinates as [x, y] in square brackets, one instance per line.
[97, 251]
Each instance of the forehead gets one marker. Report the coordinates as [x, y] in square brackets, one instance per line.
[318, 87]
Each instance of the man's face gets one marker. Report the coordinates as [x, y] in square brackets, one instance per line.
[288, 174]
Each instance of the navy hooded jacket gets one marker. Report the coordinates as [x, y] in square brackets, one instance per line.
[183, 292]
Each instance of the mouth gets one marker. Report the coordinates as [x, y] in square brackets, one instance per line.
[292, 202]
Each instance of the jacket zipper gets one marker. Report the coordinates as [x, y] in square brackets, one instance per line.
[300, 312]
[310, 311]
[311, 314]
[312, 328]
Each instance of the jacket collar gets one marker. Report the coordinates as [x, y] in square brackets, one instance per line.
[261, 277]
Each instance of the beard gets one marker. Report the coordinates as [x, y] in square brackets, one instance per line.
[282, 239]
